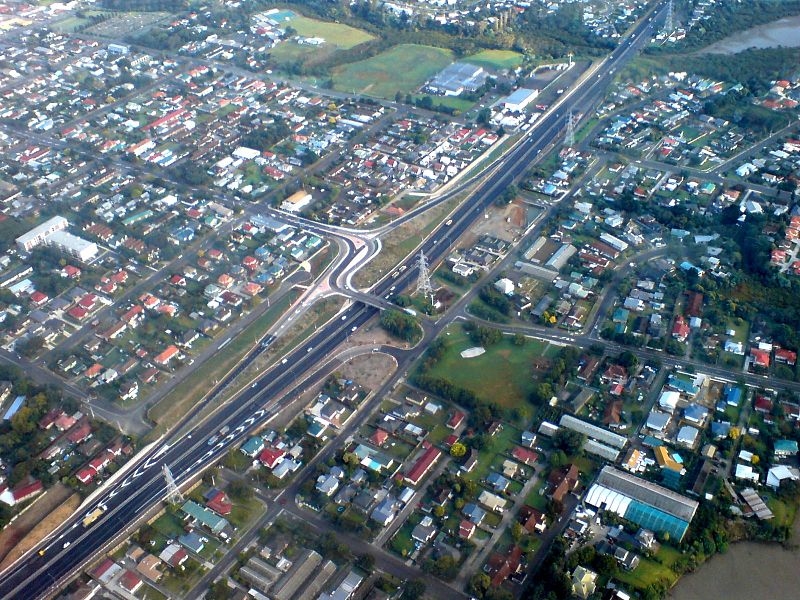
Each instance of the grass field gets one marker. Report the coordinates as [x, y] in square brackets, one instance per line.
[402, 68]
[341, 36]
[502, 374]
[336, 35]
[460, 104]
[495, 59]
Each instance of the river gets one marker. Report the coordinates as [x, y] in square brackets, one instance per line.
[783, 32]
[747, 571]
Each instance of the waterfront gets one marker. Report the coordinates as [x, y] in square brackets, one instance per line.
[783, 32]
[747, 570]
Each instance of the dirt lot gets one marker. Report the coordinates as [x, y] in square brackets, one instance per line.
[505, 223]
[52, 509]
[370, 370]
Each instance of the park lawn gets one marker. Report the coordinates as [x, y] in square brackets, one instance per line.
[341, 36]
[495, 59]
[402, 68]
[502, 374]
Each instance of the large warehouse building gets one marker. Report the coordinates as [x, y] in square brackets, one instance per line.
[642, 502]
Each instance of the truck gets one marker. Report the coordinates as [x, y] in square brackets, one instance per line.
[93, 516]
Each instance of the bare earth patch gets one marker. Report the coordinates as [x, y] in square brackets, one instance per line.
[369, 370]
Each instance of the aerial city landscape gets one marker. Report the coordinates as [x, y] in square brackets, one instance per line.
[399, 299]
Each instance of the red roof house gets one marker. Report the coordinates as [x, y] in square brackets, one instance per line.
[525, 455]
[220, 503]
[456, 420]
[379, 437]
[270, 457]
[79, 433]
[423, 465]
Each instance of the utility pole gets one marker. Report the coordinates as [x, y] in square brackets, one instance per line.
[174, 495]
[423, 277]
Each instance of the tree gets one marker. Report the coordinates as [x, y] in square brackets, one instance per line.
[458, 450]
[400, 324]
[240, 490]
[219, 590]
[569, 441]
[438, 512]
[517, 532]
[366, 562]
[414, 590]
[30, 347]
[350, 458]
[519, 339]
[628, 360]
[479, 583]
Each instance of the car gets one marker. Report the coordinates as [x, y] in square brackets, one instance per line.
[448, 222]
[354, 328]
[66, 544]
[310, 348]
[41, 552]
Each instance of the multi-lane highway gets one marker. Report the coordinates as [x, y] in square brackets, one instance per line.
[131, 496]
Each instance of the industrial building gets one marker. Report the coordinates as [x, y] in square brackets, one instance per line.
[297, 201]
[303, 568]
[647, 504]
[518, 100]
[456, 79]
[594, 432]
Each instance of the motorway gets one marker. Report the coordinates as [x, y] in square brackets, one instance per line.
[143, 487]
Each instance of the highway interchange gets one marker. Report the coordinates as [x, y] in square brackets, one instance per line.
[142, 487]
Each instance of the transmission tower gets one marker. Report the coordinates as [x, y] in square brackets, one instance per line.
[569, 139]
[668, 24]
[174, 495]
[423, 277]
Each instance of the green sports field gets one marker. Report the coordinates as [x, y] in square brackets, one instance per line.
[495, 60]
[336, 36]
[402, 68]
[503, 374]
[341, 36]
